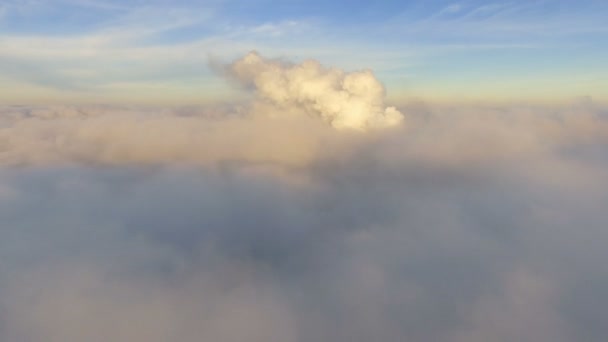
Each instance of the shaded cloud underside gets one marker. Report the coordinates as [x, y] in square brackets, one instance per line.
[463, 224]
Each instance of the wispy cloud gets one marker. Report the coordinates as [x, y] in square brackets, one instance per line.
[131, 43]
[98, 4]
[475, 20]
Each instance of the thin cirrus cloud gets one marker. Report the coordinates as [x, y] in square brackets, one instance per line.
[424, 50]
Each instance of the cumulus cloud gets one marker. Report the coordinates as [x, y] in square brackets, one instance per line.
[469, 223]
[347, 100]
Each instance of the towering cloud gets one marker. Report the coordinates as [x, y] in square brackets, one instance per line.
[347, 100]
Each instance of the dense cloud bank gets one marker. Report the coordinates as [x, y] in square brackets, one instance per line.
[221, 224]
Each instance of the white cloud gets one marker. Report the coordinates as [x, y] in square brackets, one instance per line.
[352, 100]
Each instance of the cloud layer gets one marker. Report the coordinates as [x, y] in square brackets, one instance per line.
[264, 223]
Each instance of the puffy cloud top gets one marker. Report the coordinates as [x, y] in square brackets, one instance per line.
[347, 100]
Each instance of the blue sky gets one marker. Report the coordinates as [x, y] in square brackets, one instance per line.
[159, 51]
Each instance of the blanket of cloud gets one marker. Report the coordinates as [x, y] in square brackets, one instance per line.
[465, 224]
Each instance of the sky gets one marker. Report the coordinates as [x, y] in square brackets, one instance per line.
[159, 52]
[303, 171]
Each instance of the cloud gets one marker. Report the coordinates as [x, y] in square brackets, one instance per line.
[346, 100]
[150, 137]
[283, 125]
[263, 222]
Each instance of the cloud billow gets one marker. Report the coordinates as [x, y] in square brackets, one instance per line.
[347, 100]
